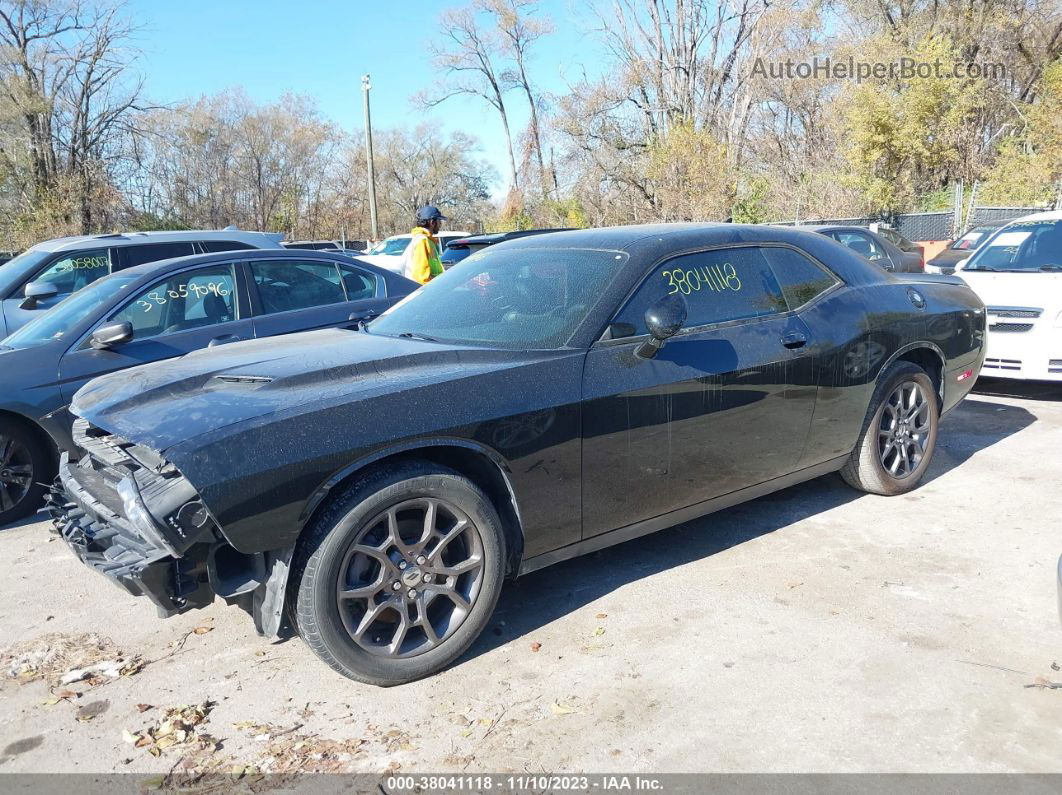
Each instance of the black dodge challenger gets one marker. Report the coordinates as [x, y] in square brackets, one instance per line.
[542, 399]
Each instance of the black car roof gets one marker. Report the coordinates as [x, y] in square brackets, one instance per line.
[647, 244]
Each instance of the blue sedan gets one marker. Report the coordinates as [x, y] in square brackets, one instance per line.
[159, 311]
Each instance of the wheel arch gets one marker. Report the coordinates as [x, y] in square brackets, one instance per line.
[480, 464]
[927, 356]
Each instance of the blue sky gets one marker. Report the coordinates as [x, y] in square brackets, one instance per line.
[322, 47]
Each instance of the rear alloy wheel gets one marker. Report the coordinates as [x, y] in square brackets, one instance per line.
[24, 466]
[398, 575]
[899, 434]
[904, 429]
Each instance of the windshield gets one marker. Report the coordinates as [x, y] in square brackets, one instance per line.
[968, 242]
[392, 246]
[57, 322]
[1021, 247]
[531, 298]
[15, 270]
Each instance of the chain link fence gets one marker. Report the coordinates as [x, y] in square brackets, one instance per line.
[922, 227]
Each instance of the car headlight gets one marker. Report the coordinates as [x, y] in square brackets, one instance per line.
[139, 516]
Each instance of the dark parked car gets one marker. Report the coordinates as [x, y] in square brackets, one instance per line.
[40, 277]
[961, 248]
[549, 397]
[903, 243]
[873, 247]
[457, 250]
[159, 311]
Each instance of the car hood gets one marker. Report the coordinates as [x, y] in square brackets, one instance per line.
[165, 403]
[1034, 290]
[950, 256]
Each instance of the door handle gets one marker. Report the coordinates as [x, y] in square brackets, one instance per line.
[224, 339]
[794, 340]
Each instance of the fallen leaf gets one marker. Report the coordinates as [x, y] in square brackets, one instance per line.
[202, 630]
[561, 708]
[129, 737]
[601, 615]
[599, 631]
[144, 707]
[536, 646]
[51, 701]
[68, 694]
[260, 653]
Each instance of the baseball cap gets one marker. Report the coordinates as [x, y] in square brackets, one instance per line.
[429, 213]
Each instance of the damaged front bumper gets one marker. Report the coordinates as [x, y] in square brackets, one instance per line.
[133, 517]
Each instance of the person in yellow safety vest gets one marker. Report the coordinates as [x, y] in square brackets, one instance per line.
[422, 254]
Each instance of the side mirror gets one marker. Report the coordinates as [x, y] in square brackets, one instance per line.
[38, 291]
[108, 336]
[663, 320]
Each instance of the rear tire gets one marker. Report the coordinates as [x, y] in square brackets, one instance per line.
[397, 577]
[26, 465]
[899, 433]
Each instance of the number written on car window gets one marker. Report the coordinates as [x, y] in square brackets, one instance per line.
[715, 278]
[80, 263]
[159, 297]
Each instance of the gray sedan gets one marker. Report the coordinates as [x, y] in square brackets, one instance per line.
[158, 311]
[873, 247]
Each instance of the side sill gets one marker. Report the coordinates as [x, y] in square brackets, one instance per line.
[639, 529]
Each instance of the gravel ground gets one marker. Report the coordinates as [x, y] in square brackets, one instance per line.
[813, 630]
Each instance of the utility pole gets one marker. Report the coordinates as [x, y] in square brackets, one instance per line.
[365, 86]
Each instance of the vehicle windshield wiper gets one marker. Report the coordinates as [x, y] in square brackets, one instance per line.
[410, 335]
[1050, 268]
[980, 268]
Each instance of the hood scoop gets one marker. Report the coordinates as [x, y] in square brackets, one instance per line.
[244, 379]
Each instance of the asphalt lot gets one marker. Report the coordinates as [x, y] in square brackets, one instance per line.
[813, 630]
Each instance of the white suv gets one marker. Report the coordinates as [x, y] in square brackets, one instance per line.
[44, 274]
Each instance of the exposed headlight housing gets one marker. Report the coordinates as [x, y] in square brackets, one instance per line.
[140, 517]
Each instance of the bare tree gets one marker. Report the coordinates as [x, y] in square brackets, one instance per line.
[519, 32]
[65, 67]
[469, 64]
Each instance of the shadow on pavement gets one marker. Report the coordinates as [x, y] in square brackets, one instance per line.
[544, 596]
[1026, 390]
[40, 516]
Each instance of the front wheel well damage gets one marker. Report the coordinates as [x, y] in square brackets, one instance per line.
[477, 466]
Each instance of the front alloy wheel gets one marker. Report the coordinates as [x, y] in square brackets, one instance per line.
[410, 578]
[16, 472]
[399, 574]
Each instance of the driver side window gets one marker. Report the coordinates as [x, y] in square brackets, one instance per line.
[719, 285]
[76, 270]
[184, 301]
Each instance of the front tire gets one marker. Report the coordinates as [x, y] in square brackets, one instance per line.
[26, 464]
[398, 576]
[899, 433]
